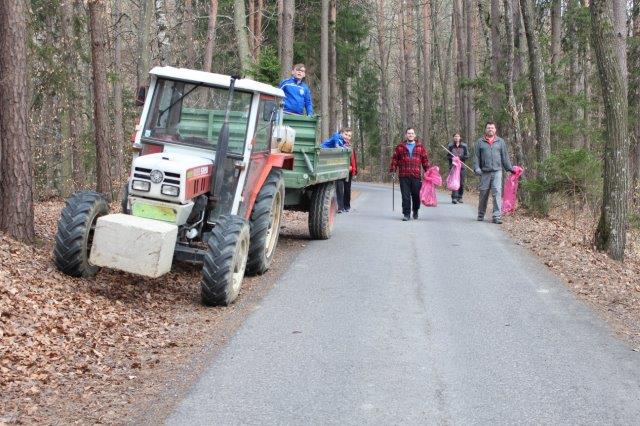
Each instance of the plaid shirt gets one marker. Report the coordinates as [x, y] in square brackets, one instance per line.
[409, 166]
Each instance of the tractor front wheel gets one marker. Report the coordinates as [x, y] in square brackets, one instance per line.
[322, 211]
[225, 261]
[265, 224]
[75, 233]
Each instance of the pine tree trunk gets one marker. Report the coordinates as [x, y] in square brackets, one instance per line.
[608, 42]
[461, 68]
[427, 92]
[409, 60]
[634, 95]
[147, 13]
[258, 27]
[252, 26]
[512, 107]
[471, 66]
[16, 183]
[240, 24]
[324, 68]
[100, 96]
[211, 36]
[286, 60]
[280, 7]
[538, 88]
[384, 97]
[118, 127]
[188, 33]
[402, 70]
[496, 65]
[556, 32]
[333, 68]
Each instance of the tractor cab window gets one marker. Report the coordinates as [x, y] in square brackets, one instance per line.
[267, 114]
[192, 114]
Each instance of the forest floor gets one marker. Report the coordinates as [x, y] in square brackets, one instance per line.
[115, 348]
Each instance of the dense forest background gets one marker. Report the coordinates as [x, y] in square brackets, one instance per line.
[560, 77]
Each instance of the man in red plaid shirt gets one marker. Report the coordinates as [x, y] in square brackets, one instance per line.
[407, 159]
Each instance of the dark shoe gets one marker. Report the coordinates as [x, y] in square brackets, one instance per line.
[497, 220]
[415, 215]
[460, 202]
[480, 218]
[454, 201]
[340, 211]
[405, 218]
[347, 210]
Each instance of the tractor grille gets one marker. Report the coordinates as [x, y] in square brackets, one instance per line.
[169, 177]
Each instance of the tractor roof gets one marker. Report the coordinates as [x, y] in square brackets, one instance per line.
[195, 76]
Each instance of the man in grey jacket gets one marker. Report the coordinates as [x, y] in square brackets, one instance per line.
[490, 158]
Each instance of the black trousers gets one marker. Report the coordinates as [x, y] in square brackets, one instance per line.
[347, 193]
[457, 195]
[410, 190]
[340, 193]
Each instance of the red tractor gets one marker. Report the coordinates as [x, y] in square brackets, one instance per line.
[207, 187]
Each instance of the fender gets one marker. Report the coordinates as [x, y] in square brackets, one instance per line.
[274, 160]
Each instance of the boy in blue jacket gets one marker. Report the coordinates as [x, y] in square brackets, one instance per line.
[341, 139]
[297, 95]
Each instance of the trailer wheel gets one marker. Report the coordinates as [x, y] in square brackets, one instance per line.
[75, 233]
[322, 211]
[225, 261]
[265, 224]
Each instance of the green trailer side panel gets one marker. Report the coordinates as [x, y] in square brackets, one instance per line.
[205, 123]
[312, 165]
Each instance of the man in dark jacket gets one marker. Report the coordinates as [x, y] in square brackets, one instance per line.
[490, 158]
[297, 95]
[461, 151]
[407, 159]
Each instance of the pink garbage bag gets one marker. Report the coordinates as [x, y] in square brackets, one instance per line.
[453, 180]
[431, 179]
[510, 192]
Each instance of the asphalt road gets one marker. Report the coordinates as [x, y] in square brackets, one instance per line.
[442, 320]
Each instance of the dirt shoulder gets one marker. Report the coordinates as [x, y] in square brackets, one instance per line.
[115, 348]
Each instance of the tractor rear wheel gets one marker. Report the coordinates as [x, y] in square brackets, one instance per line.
[322, 211]
[265, 223]
[225, 261]
[75, 233]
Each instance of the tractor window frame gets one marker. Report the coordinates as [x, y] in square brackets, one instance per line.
[263, 128]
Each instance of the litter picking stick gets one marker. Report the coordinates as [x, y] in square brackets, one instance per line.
[443, 147]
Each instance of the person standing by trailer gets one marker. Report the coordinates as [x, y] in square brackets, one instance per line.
[297, 95]
[341, 139]
[408, 157]
[460, 150]
[490, 158]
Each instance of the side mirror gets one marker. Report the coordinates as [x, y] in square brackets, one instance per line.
[141, 95]
[268, 111]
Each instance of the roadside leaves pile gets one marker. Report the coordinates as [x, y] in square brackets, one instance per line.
[83, 350]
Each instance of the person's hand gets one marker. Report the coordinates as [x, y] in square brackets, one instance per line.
[477, 172]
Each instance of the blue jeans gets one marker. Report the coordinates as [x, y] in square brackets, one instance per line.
[490, 181]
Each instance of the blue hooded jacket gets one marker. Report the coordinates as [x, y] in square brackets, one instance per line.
[335, 141]
[297, 96]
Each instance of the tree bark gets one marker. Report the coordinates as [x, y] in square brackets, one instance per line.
[512, 107]
[16, 182]
[556, 32]
[258, 28]
[634, 95]
[240, 24]
[118, 127]
[211, 36]
[496, 51]
[333, 68]
[147, 13]
[402, 69]
[252, 27]
[471, 66]
[188, 33]
[286, 60]
[608, 41]
[409, 60]
[100, 96]
[427, 92]
[280, 7]
[324, 68]
[538, 88]
[384, 97]
[461, 67]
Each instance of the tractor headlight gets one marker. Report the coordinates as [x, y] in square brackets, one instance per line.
[170, 190]
[141, 185]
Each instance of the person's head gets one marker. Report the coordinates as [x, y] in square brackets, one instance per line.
[346, 133]
[457, 138]
[298, 71]
[490, 128]
[410, 134]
